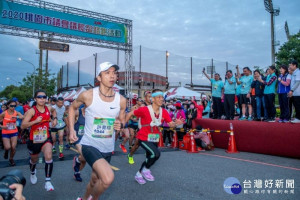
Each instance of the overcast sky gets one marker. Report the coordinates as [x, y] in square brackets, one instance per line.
[237, 31]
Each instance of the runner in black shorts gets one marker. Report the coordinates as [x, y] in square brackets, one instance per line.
[147, 95]
[79, 161]
[38, 118]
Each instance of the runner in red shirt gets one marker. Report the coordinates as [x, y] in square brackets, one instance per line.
[38, 118]
[152, 117]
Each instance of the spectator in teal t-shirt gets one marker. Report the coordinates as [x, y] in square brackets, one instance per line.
[245, 82]
[229, 94]
[217, 87]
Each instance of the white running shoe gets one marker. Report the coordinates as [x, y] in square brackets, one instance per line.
[49, 186]
[33, 178]
[296, 120]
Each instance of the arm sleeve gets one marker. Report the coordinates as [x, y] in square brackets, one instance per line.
[286, 83]
[270, 81]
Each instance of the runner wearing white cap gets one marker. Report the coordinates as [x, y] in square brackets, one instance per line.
[105, 110]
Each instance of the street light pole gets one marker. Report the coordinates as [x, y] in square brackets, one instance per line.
[33, 85]
[167, 81]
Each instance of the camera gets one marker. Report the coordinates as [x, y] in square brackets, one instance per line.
[14, 176]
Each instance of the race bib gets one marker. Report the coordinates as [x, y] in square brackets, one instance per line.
[40, 136]
[215, 87]
[11, 125]
[103, 127]
[60, 123]
[153, 137]
[81, 130]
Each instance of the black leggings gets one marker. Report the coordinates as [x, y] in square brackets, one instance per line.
[152, 154]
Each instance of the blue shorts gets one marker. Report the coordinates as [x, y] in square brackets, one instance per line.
[9, 135]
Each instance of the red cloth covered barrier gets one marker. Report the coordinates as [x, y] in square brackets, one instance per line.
[279, 139]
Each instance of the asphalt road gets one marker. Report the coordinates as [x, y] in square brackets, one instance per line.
[178, 175]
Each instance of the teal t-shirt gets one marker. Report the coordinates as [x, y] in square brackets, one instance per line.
[230, 88]
[216, 87]
[270, 89]
[238, 89]
[246, 84]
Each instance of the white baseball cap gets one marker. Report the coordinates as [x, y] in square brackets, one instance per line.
[105, 66]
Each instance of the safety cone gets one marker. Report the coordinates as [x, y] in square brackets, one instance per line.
[211, 144]
[231, 144]
[161, 142]
[192, 145]
[174, 140]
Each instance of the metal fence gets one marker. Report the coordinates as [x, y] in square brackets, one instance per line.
[181, 70]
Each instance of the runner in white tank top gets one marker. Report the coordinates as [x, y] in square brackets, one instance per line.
[105, 110]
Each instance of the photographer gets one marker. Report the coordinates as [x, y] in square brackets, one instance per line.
[11, 186]
[18, 192]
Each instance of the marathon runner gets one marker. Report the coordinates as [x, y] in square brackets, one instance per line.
[10, 130]
[147, 96]
[105, 110]
[151, 117]
[38, 118]
[79, 161]
[59, 128]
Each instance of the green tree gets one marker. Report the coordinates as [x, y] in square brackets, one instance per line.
[45, 81]
[289, 51]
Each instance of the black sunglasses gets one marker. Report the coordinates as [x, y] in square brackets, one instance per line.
[41, 97]
[12, 106]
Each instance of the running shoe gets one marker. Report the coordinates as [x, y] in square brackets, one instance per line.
[295, 120]
[147, 175]
[61, 156]
[77, 177]
[5, 155]
[123, 148]
[79, 198]
[53, 150]
[140, 179]
[33, 178]
[67, 146]
[242, 118]
[49, 186]
[250, 119]
[130, 159]
[280, 120]
[271, 120]
[12, 162]
[285, 121]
